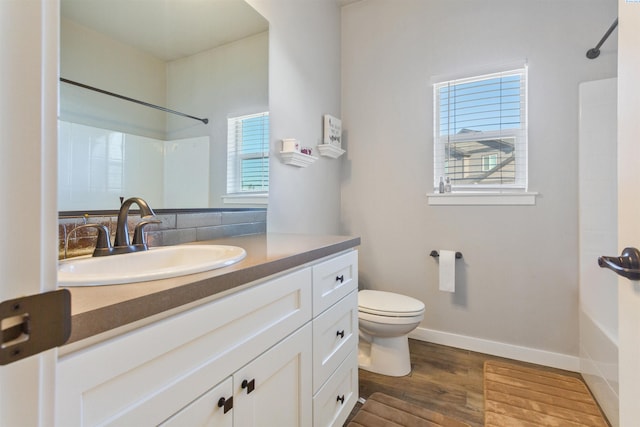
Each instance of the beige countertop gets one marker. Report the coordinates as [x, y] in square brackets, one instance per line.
[98, 309]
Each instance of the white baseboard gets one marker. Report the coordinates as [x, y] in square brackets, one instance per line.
[495, 348]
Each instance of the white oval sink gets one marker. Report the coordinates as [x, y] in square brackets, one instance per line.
[156, 263]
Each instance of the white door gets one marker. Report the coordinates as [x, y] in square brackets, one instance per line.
[28, 213]
[629, 206]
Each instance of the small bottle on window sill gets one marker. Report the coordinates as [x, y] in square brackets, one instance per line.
[447, 186]
[441, 185]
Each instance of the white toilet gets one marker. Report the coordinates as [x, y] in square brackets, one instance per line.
[385, 320]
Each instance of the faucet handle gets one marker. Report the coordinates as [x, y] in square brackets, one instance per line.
[139, 237]
[103, 244]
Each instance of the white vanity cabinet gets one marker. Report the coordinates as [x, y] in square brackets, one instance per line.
[259, 356]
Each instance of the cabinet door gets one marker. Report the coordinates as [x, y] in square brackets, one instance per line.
[208, 410]
[275, 389]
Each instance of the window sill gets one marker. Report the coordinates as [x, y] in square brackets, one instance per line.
[480, 199]
[246, 199]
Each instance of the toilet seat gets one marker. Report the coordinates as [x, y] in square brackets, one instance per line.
[391, 320]
[388, 304]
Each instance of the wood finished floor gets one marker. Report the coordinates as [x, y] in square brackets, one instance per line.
[444, 379]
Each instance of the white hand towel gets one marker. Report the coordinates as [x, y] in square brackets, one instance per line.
[447, 261]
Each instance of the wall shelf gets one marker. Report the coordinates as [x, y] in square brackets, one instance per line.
[294, 158]
[330, 150]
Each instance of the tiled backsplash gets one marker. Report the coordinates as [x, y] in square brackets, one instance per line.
[175, 228]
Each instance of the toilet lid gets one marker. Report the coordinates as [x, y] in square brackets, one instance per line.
[388, 304]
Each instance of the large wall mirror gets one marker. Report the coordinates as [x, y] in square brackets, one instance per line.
[204, 58]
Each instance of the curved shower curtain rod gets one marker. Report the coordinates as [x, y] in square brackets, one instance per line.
[595, 52]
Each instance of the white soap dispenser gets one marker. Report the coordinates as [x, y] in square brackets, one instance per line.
[447, 185]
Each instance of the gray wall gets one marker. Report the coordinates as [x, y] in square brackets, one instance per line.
[230, 81]
[518, 281]
[304, 84]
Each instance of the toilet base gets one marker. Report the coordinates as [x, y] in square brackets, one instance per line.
[386, 356]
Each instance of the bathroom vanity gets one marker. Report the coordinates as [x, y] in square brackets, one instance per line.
[269, 341]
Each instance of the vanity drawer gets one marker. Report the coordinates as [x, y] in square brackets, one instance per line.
[335, 335]
[335, 400]
[333, 279]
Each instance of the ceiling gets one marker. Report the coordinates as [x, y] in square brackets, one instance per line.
[158, 26]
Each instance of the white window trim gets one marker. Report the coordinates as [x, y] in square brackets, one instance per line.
[246, 199]
[516, 198]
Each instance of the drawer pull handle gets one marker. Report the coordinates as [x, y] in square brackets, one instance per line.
[340, 399]
[227, 404]
[249, 385]
[340, 278]
[340, 334]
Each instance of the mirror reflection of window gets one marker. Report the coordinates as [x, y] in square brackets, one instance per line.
[248, 154]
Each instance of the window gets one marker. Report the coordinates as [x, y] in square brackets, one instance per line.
[480, 128]
[248, 154]
[489, 162]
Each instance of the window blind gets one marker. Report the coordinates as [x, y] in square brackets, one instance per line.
[248, 154]
[480, 128]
